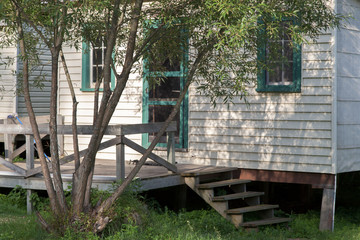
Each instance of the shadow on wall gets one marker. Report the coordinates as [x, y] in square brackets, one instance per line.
[282, 131]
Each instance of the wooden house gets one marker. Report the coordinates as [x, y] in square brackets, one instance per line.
[303, 127]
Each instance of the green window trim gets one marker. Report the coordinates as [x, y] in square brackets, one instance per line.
[85, 71]
[183, 112]
[294, 87]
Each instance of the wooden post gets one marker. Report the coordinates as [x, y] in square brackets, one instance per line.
[29, 165]
[29, 152]
[8, 143]
[120, 159]
[171, 147]
[29, 205]
[327, 210]
[60, 121]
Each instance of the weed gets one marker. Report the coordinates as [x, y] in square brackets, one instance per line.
[18, 159]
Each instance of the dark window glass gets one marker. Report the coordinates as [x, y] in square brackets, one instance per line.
[97, 71]
[159, 113]
[161, 58]
[168, 89]
[97, 56]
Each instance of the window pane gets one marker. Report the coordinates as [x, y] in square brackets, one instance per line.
[169, 88]
[274, 76]
[288, 72]
[165, 54]
[159, 113]
[97, 71]
[288, 51]
[97, 56]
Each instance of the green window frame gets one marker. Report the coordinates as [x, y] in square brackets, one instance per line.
[262, 77]
[86, 70]
[182, 142]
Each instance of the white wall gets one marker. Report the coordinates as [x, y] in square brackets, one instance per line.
[348, 75]
[40, 97]
[7, 81]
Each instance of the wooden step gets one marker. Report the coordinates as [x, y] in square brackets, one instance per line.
[236, 196]
[251, 209]
[274, 220]
[207, 171]
[222, 183]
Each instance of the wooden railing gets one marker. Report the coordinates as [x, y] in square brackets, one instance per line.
[120, 141]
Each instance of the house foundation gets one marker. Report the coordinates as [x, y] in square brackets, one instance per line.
[326, 182]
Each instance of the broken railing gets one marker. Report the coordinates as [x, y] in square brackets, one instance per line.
[120, 141]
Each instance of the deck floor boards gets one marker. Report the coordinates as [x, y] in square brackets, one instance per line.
[152, 176]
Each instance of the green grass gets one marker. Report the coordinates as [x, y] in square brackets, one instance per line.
[142, 222]
[16, 224]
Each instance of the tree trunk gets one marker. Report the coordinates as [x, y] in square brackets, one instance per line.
[81, 176]
[54, 149]
[74, 112]
[25, 78]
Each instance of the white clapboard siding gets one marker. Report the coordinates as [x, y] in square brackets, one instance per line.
[40, 97]
[7, 81]
[276, 131]
[348, 76]
[128, 110]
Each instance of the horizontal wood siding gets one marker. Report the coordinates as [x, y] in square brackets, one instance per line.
[128, 110]
[348, 75]
[276, 131]
[40, 95]
[7, 81]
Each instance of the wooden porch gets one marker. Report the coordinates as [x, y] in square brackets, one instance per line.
[157, 173]
[151, 176]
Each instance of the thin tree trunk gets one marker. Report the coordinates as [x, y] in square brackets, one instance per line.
[74, 112]
[54, 149]
[25, 77]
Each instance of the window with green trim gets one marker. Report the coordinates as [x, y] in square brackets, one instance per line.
[92, 65]
[284, 73]
[164, 78]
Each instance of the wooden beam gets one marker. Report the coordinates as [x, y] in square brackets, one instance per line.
[13, 167]
[8, 141]
[70, 158]
[39, 119]
[327, 210]
[29, 152]
[88, 129]
[139, 128]
[120, 159]
[152, 156]
[170, 147]
[316, 180]
[22, 148]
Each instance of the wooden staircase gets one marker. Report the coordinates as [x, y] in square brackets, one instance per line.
[230, 198]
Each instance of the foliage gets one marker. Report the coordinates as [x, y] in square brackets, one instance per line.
[16, 197]
[14, 222]
[165, 224]
[18, 159]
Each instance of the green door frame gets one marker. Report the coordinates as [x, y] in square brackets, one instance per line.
[183, 125]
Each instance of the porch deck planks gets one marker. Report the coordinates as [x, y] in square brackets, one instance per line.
[151, 176]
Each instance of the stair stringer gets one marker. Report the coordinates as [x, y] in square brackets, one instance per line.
[207, 195]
